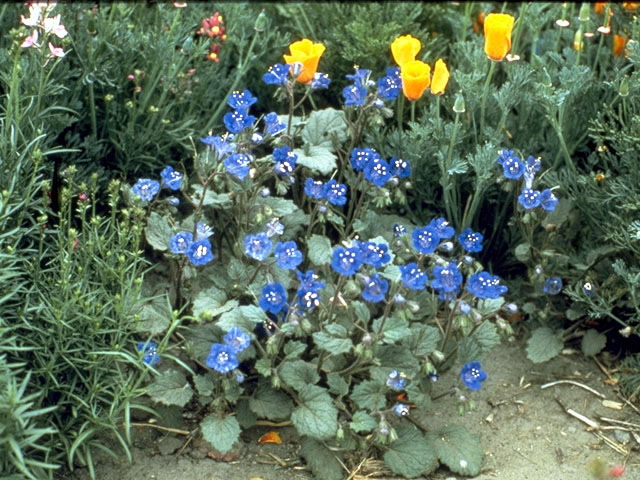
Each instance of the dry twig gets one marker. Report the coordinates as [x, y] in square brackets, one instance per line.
[572, 382]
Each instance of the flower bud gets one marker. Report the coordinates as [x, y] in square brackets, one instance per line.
[623, 91]
[261, 22]
[340, 433]
[459, 106]
[275, 382]
[393, 435]
[511, 308]
[438, 356]
[265, 192]
[585, 11]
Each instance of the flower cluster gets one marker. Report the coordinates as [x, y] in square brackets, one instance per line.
[223, 356]
[147, 189]
[213, 27]
[333, 192]
[198, 251]
[40, 21]
[514, 169]
[377, 170]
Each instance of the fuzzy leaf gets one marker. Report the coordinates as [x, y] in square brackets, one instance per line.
[320, 460]
[271, 404]
[316, 158]
[204, 384]
[369, 395]
[279, 206]
[395, 328]
[171, 388]
[158, 231]
[362, 422]
[469, 350]
[246, 418]
[293, 349]
[319, 249]
[411, 455]
[523, 252]
[219, 200]
[424, 339]
[593, 342]
[337, 384]
[210, 302]
[489, 306]
[155, 316]
[298, 374]
[222, 433]
[487, 336]
[458, 449]
[334, 340]
[322, 125]
[544, 344]
[316, 417]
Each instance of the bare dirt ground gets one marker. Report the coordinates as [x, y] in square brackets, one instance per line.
[525, 432]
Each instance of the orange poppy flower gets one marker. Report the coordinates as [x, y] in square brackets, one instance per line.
[497, 35]
[598, 7]
[404, 49]
[270, 437]
[415, 79]
[440, 78]
[618, 44]
[478, 22]
[630, 6]
[308, 54]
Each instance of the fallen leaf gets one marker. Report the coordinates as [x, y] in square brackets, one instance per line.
[270, 437]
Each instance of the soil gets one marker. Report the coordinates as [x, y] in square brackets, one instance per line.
[525, 432]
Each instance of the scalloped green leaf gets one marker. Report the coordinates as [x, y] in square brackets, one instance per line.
[271, 404]
[319, 249]
[298, 374]
[362, 422]
[593, 342]
[544, 344]
[158, 232]
[411, 455]
[170, 388]
[316, 417]
[222, 433]
[322, 461]
[458, 449]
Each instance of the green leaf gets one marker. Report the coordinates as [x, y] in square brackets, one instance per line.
[170, 388]
[210, 302]
[593, 342]
[270, 404]
[158, 232]
[361, 311]
[424, 339]
[263, 366]
[322, 125]
[544, 344]
[321, 460]
[458, 449]
[369, 395]
[279, 206]
[246, 418]
[559, 214]
[222, 433]
[316, 158]
[245, 317]
[523, 252]
[220, 200]
[316, 417]
[298, 374]
[362, 422]
[487, 336]
[337, 384]
[489, 306]
[417, 394]
[411, 455]
[155, 316]
[319, 249]
[333, 343]
[395, 328]
[293, 349]
[469, 350]
[204, 384]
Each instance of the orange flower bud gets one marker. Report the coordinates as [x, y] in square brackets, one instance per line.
[630, 6]
[404, 49]
[478, 22]
[308, 54]
[618, 44]
[415, 79]
[599, 7]
[497, 35]
[440, 78]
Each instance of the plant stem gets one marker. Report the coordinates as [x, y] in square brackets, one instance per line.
[485, 92]
[448, 181]
[400, 112]
[413, 112]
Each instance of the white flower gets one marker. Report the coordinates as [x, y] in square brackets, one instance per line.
[53, 25]
[56, 51]
[31, 40]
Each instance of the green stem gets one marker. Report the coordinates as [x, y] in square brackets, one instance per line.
[413, 112]
[485, 93]
[449, 182]
[468, 7]
[517, 31]
[400, 112]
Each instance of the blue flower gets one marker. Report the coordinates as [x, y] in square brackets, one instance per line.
[446, 279]
[199, 253]
[257, 138]
[203, 231]
[361, 77]
[274, 227]
[336, 193]
[276, 74]
[257, 246]
[504, 155]
[552, 286]
[390, 85]
[242, 100]
[400, 168]
[237, 165]
[548, 200]
[375, 288]
[413, 277]
[237, 339]
[308, 299]
[529, 198]
[513, 168]
[320, 80]
[464, 307]
[532, 166]
[315, 188]
[354, 95]
[146, 189]
[308, 281]
[399, 230]
[361, 157]
[484, 285]
[180, 242]
[442, 227]
[471, 241]
[222, 358]
[472, 375]
[287, 255]
[149, 350]
[374, 254]
[377, 172]
[171, 178]
[401, 410]
[425, 239]
[346, 261]
[588, 289]
[173, 201]
[238, 120]
[396, 380]
[274, 298]
[285, 160]
[221, 144]
[273, 125]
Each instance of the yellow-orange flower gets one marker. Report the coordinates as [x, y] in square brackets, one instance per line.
[599, 7]
[497, 35]
[404, 49]
[440, 78]
[415, 79]
[618, 44]
[630, 6]
[308, 54]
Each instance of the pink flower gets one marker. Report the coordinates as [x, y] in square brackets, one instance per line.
[31, 40]
[56, 51]
[53, 25]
